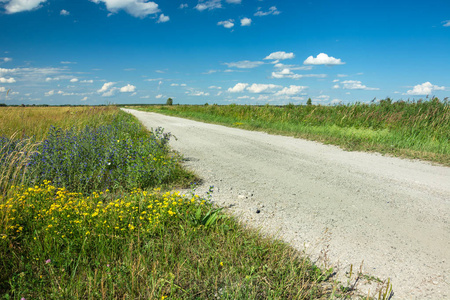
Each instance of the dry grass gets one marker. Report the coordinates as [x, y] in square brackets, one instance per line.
[35, 121]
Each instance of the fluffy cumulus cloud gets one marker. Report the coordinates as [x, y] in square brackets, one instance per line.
[244, 64]
[246, 22]
[272, 11]
[7, 80]
[15, 6]
[234, 1]
[5, 59]
[136, 8]
[210, 4]
[425, 88]
[323, 59]
[239, 87]
[183, 5]
[280, 55]
[74, 80]
[261, 88]
[163, 18]
[227, 24]
[106, 87]
[64, 12]
[355, 85]
[128, 88]
[446, 23]
[291, 90]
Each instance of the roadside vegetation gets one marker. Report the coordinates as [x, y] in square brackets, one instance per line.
[87, 210]
[418, 129]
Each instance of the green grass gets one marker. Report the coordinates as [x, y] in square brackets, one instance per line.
[57, 244]
[151, 244]
[407, 129]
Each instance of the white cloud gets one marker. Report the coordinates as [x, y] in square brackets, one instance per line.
[128, 88]
[183, 5]
[286, 73]
[234, 1]
[15, 6]
[74, 80]
[215, 87]
[342, 75]
[244, 64]
[163, 19]
[260, 88]
[2, 89]
[246, 22]
[226, 24]
[198, 93]
[9, 80]
[210, 4]
[280, 55]
[272, 11]
[50, 93]
[158, 96]
[323, 59]
[425, 88]
[136, 8]
[239, 87]
[106, 87]
[67, 62]
[356, 85]
[322, 98]
[84, 99]
[87, 81]
[336, 86]
[291, 90]
[446, 23]
[64, 12]
[110, 93]
[5, 59]
[336, 80]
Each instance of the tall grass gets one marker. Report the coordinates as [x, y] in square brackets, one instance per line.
[119, 157]
[410, 129]
[35, 121]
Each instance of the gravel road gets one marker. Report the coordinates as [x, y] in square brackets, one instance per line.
[349, 207]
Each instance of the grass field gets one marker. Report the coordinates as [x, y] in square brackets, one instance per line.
[406, 129]
[81, 216]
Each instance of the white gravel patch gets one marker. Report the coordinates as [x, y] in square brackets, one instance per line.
[352, 207]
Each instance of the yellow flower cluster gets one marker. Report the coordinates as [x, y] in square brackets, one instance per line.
[63, 214]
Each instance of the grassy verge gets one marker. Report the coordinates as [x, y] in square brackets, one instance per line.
[407, 129]
[60, 240]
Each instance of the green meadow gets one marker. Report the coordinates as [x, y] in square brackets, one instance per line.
[417, 130]
[88, 211]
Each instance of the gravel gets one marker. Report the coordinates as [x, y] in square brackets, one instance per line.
[342, 208]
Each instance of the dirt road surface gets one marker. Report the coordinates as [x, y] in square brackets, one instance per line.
[352, 207]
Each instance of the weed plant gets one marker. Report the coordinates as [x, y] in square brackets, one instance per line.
[411, 129]
[119, 157]
[146, 245]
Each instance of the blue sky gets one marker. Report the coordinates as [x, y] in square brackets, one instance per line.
[222, 51]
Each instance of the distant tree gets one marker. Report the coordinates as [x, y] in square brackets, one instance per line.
[3, 104]
[169, 101]
[309, 102]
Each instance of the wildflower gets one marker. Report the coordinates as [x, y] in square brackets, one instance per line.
[221, 264]
[48, 261]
